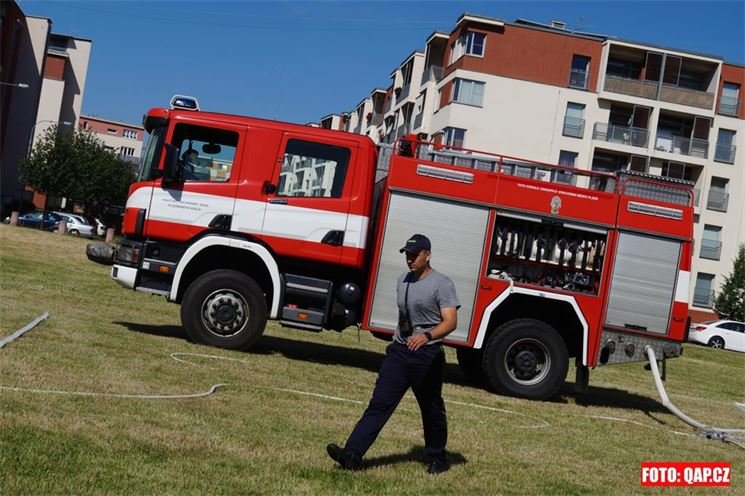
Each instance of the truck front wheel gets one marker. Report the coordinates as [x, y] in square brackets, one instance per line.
[224, 308]
[526, 358]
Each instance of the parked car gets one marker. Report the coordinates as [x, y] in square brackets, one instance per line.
[726, 334]
[100, 226]
[40, 220]
[77, 225]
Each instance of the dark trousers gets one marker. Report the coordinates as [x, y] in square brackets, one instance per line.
[420, 370]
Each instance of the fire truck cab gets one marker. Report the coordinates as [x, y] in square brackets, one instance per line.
[241, 220]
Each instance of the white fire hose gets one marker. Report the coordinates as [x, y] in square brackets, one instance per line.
[710, 432]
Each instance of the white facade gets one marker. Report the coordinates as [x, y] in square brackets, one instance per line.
[682, 133]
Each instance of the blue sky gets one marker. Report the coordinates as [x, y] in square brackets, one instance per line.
[299, 61]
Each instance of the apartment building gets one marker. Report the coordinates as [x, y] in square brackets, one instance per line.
[125, 139]
[546, 93]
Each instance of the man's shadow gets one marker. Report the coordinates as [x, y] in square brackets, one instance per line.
[415, 454]
[329, 354]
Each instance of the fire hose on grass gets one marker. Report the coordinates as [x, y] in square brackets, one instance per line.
[710, 432]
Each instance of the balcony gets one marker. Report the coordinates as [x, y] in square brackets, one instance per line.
[725, 153]
[387, 105]
[728, 105]
[574, 126]
[403, 94]
[696, 197]
[704, 299]
[634, 136]
[711, 249]
[682, 146]
[432, 73]
[633, 87]
[374, 119]
[684, 96]
[717, 200]
[578, 78]
[418, 120]
[668, 93]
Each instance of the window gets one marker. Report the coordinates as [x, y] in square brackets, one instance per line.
[111, 130]
[725, 151]
[207, 154]
[313, 169]
[455, 136]
[468, 92]
[129, 133]
[126, 151]
[729, 100]
[703, 294]
[574, 122]
[85, 124]
[566, 159]
[677, 170]
[578, 73]
[470, 43]
[711, 246]
[718, 198]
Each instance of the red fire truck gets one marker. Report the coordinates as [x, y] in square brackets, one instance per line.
[241, 220]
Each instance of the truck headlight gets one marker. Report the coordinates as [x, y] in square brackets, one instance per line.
[128, 254]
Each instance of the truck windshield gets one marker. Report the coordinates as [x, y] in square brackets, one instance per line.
[150, 158]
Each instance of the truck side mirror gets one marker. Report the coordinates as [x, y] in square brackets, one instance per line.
[171, 168]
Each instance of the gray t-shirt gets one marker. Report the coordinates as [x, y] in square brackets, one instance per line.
[425, 299]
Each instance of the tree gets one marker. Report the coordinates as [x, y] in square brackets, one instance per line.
[730, 302]
[78, 166]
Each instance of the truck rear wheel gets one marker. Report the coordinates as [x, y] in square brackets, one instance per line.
[526, 358]
[224, 308]
[471, 364]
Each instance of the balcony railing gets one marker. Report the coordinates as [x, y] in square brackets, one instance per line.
[574, 126]
[704, 299]
[684, 96]
[717, 200]
[728, 105]
[711, 249]
[432, 73]
[668, 92]
[682, 146]
[405, 90]
[725, 153]
[634, 136]
[375, 119]
[633, 87]
[578, 78]
[388, 104]
[418, 120]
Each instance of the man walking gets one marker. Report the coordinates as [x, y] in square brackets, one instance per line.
[427, 308]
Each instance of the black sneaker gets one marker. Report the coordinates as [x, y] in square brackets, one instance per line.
[346, 458]
[437, 467]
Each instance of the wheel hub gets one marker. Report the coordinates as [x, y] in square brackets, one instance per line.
[225, 313]
[525, 364]
[527, 361]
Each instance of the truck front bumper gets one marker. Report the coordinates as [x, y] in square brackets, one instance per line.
[126, 276]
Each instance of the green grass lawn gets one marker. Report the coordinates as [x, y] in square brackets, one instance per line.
[266, 431]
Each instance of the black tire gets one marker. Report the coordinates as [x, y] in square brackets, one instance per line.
[73, 232]
[526, 358]
[224, 308]
[471, 364]
[383, 336]
[717, 342]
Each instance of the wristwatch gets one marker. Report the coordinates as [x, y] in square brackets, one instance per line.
[429, 335]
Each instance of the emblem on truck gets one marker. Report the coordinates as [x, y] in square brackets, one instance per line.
[555, 205]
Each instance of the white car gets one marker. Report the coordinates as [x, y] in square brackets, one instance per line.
[727, 334]
[77, 225]
[100, 227]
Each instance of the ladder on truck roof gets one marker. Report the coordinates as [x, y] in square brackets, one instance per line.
[625, 182]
